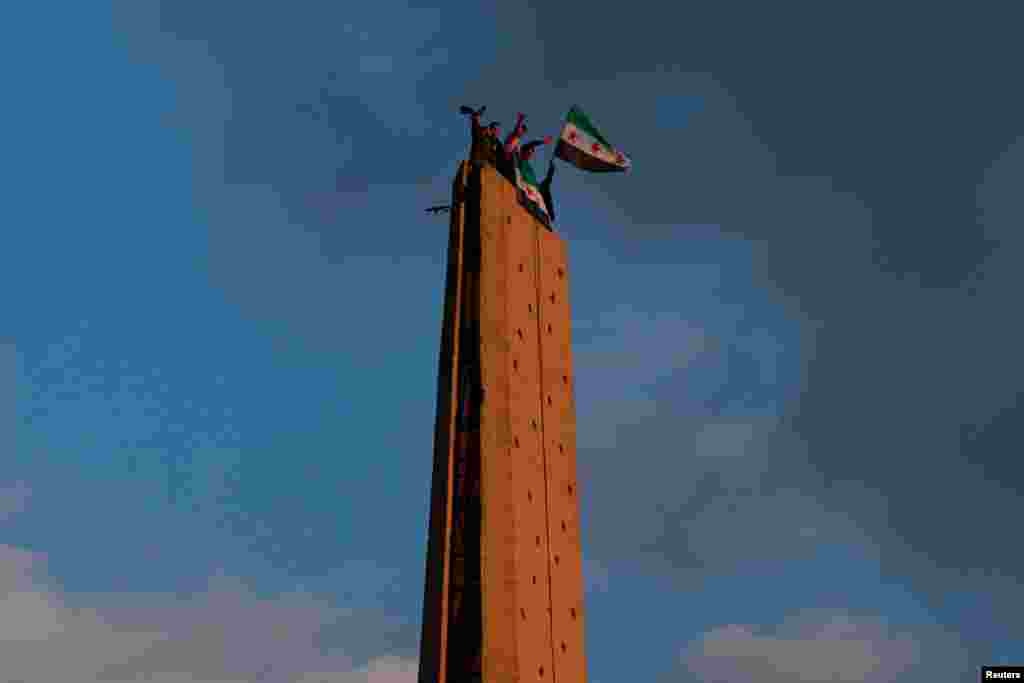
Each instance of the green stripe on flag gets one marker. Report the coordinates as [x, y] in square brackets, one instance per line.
[527, 182]
[527, 172]
[582, 121]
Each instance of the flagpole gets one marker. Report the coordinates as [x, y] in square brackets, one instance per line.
[551, 159]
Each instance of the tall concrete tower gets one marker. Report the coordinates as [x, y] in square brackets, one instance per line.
[504, 590]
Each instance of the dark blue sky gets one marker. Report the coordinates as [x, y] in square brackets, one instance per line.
[796, 331]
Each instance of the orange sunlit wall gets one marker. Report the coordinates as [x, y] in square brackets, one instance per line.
[504, 590]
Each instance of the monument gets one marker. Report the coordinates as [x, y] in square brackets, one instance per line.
[503, 599]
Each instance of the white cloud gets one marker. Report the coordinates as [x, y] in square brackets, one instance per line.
[380, 670]
[724, 439]
[772, 525]
[9, 362]
[815, 645]
[225, 634]
[644, 345]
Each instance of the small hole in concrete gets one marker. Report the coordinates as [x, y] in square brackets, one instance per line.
[515, 364]
[552, 297]
[563, 646]
[515, 441]
[556, 559]
[570, 489]
[529, 307]
[529, 496]
[540, 672]
[564, 527]
[572, 612]
[533, 424]
[549, 329]
[519, 333]
[538, 540]
[561, 273]
[508, 220]
[549, 399]
[534, 580]
[565, 379]
[522, 612]
[520, 267]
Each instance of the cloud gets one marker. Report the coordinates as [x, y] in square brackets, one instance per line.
[295, 154]
[860, 199]
[855, 177]
[224, 633]
[13, 499]
[723, 439]
[374, 71]
[658, 343]
[716, 479]
[381, 670]
[818, 645]
[8, 379]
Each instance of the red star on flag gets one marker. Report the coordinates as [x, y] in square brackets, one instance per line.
[572, 136]
[595, 148]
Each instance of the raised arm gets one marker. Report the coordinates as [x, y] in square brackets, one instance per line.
[514, 138]
[530, 147]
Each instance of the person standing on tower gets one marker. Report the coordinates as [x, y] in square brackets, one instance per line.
[516, 136]
[493, 138]
[479, 145]
[508, 153]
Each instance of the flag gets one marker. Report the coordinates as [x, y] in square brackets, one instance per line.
[583, 146]
[527, 182]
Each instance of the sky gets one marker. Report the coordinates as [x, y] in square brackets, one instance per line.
[795, 326]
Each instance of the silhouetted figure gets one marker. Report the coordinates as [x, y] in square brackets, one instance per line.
[493, 136]
[507, 154]
[545, 191]
[481, 149]
[516, 136]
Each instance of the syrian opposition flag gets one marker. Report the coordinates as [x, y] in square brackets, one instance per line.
[583, 146]
[527, 182]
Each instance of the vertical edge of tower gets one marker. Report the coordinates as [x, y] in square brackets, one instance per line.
[433, 644]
